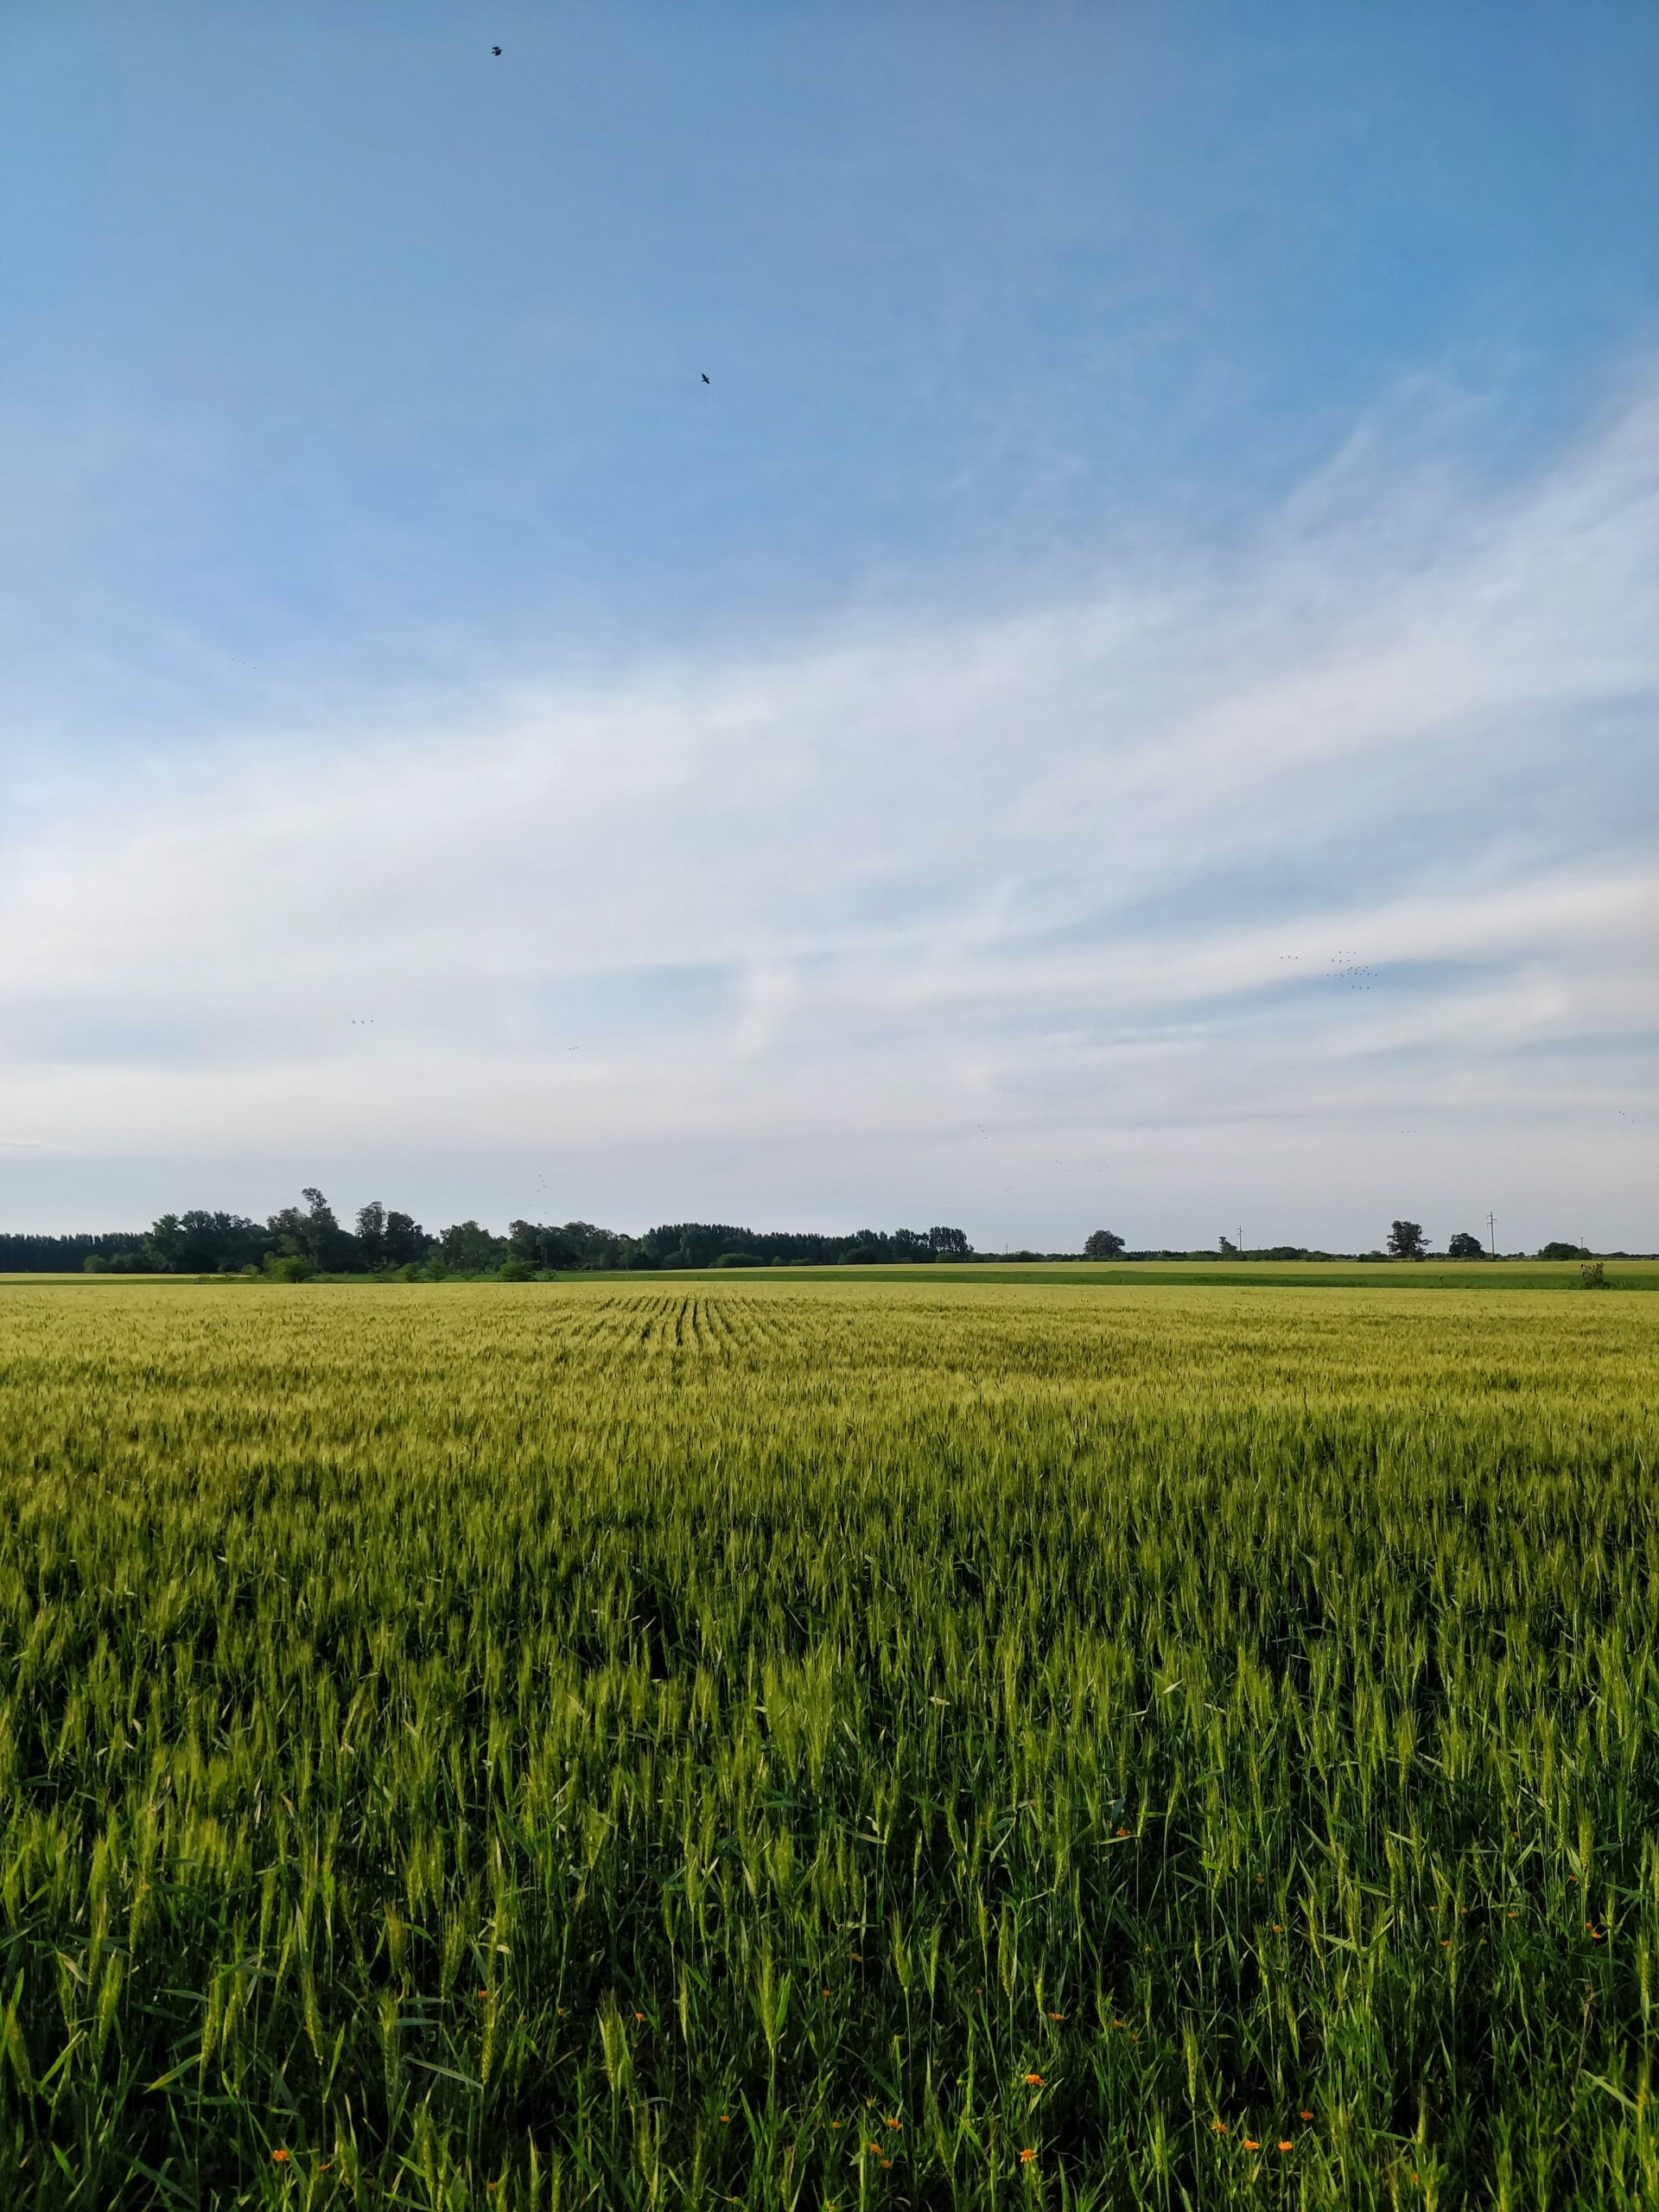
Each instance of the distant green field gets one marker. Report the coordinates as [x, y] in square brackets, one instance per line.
[827, 1744]
[1331, 1274]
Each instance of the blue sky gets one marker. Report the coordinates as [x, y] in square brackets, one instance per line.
[1129, 696]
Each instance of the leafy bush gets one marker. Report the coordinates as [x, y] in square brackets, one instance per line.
[289, 1267]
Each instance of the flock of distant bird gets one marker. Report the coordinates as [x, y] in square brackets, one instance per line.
[1342, 968]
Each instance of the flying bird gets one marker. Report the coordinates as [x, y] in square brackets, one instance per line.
[496, 51]
[705, 376]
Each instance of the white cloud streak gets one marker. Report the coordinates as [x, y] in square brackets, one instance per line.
[1233, 872]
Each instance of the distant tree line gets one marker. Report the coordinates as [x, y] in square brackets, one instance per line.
[309, 1239]
[24, 1254]
[713, 1244]
[1407, 1242]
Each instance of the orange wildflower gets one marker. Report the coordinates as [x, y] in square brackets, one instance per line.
[1286, 2145]
[1025, 2157]
[1306, 2114]
[1250, 2143]
[725, 2119]
[1218, 2127]
[280, 2158]
[894, 2123]
[1034, 2080]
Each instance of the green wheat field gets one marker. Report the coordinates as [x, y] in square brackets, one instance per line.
[815, 1744]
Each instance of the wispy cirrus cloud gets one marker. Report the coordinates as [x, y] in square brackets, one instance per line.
[1239, 866]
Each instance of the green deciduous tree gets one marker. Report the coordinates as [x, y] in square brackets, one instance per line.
[312, 1234]
[200, 1243]
[469, 1250]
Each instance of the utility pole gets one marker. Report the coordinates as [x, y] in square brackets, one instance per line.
[1491, 1238]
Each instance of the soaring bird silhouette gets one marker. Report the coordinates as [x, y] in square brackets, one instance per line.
[496, 51]
[705, 376]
